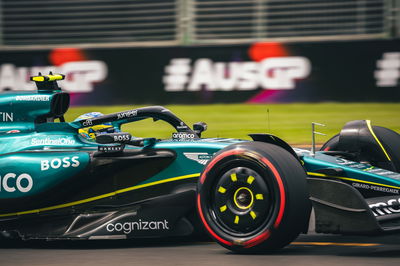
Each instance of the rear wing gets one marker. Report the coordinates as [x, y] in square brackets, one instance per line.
[47, 82]
[23, 109]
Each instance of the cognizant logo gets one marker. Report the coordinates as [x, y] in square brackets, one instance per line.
[128, 227]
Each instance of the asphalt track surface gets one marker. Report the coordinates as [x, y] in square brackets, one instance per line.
[306, 250]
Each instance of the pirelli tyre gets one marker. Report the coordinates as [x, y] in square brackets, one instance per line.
[253, 197]
[389, 143]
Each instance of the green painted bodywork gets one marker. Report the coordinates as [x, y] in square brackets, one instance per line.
[352, 171]
[51, 152]
[46, 170]
[183, 165]
[22, 109]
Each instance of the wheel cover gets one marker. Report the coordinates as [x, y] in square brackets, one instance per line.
[211, 175]
[241, 201]
[244, 198]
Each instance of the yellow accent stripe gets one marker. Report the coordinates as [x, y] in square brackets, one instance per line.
[233, 177]
[101, 196]
[49, 78]
[319, 174]
[253, 215]
[236, 219]
[240, 206]
[39, 79]
[351, 179]
[55, 77]
[259, 196]
[376, 138]
[222, 190]
[250, 180]
[223, 208]
[336, 244]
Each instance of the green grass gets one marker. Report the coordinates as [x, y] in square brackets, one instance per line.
[291, 122]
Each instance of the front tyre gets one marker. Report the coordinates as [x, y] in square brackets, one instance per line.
[253, 197]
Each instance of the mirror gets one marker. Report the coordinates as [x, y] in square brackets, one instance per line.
[199, 127]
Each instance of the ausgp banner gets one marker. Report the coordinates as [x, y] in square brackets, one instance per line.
[363, 71]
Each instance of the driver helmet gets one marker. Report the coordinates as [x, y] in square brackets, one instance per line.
[90, 133]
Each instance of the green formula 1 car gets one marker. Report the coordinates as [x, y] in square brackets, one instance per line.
[248, 195]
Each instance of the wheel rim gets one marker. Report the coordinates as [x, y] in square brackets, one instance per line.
[242, 201]
[244, 198]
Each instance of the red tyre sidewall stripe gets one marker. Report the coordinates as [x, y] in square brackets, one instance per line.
[281, 191]
[223, 241]
[257, 240]
[262, 237]
[202, 178]
[266, 234]
[217, 159]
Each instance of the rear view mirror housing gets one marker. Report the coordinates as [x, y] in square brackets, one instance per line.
[199, 127]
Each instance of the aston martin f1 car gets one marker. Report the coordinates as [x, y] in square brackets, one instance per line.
[247, 195]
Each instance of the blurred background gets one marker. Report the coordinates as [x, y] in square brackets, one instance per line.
[243, 66]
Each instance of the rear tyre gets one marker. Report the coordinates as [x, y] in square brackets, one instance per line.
[332, 144]
[390, 141]
[253, 197]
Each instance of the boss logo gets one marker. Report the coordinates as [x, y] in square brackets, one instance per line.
[57, 163]
[11, 183]
[122, 137]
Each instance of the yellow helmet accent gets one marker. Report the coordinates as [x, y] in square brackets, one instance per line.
[90, 132]
[50, 77]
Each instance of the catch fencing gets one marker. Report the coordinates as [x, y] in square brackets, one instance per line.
[90, 23]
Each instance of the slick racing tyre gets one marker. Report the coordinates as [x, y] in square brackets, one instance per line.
[390, 141]
[253, 197]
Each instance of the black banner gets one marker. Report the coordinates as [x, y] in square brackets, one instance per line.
[362, 71]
